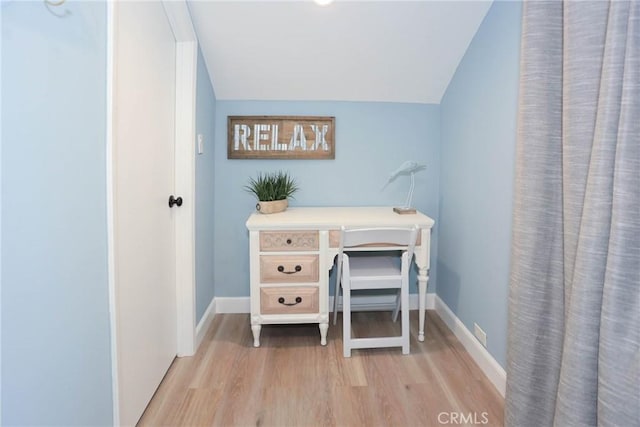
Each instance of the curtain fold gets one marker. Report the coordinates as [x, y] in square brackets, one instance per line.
[573, 347]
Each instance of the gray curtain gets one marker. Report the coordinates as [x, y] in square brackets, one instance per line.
[573, 354]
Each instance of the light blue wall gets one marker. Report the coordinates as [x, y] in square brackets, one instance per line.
[56, 367]
[476, 182]
[372, 139]
[205, 167]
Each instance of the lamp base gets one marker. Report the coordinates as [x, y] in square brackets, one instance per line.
[404, 211]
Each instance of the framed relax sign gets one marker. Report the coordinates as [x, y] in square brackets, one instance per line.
[281, 137]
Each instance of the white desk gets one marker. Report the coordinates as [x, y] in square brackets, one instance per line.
[292, 252]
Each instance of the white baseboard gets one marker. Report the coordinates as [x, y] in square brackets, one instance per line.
[233, 305]
[480, 355]
[243, 305]
[205, 322]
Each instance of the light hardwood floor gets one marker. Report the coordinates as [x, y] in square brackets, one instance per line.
[293, 381]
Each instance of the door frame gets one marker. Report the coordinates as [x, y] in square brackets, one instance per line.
[186, 68]
[185, 168]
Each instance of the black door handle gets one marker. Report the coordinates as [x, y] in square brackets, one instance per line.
[175, 201]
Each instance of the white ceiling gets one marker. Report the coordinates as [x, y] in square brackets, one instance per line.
[386, 51]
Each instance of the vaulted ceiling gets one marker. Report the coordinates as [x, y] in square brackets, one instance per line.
[351, 50]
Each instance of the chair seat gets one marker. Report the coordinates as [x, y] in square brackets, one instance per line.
[372, 265]
[375, 272]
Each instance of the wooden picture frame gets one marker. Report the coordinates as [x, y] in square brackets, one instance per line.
[281, 137]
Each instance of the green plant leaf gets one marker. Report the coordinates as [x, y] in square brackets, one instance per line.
[272, 186]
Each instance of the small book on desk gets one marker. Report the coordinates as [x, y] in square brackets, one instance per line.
[404, 211]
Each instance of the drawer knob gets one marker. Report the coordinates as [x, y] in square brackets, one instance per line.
[288, 241]
[298, 268]
[298, 301]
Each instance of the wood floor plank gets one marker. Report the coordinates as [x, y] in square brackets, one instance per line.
[198, 408]
[355, 406]
[470, 386]
[293, 381]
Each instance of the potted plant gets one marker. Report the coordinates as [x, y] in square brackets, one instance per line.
[272, 190]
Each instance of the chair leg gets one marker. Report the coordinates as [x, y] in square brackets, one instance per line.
[397, 309]
[336, 291]
[336, 297]
[404, 296]
[346, 322]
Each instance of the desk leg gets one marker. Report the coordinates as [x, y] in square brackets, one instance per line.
[324, 327]
[423, 278]
[256, 328]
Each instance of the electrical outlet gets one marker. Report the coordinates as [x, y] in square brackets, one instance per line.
[200, 143]
[480, 334]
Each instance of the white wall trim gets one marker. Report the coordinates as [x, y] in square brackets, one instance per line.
[205, 322]
[233, 305]
[243, 304]
[186, 69]
[479, 354]
[111, 268]
[1, 145]
[430, 303]
[180, 20]
[186, 57]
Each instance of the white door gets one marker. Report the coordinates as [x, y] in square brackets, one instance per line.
[144, 230]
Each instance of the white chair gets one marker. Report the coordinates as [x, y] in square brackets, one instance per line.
[374, 271]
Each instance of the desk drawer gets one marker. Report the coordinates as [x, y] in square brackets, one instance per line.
[289, 300]
[278, 241]
[288, 268]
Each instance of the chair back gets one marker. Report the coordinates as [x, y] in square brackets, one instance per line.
[374, 272]
[379, 238]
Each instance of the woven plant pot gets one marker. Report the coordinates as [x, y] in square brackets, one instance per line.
[272, 207]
